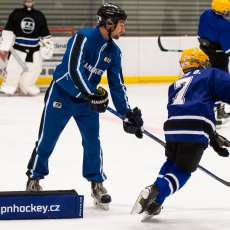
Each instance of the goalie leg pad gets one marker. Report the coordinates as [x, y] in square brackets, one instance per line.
[14, 71]
[28, 80]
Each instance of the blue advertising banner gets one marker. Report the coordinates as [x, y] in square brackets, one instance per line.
[41, 205]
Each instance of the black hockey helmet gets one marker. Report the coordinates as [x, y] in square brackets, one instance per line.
[110, 11]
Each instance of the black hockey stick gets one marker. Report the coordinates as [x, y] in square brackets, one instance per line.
[147, 133]
[162, 48]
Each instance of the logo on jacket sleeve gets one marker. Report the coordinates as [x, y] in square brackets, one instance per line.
[57, 104]
[107, 60]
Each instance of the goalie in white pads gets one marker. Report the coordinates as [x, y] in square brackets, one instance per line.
[27, 33]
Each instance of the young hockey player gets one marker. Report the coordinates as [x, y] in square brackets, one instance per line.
[214, 38]
[190, 126]
[27, 33]
[74, 93]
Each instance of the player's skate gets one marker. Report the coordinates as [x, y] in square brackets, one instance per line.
[33, 185]
[100, 196]
[146, 204]
[219, 122]
[221, 114]
[7, 90]
[221, 117]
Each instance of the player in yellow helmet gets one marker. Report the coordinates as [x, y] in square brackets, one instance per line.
[214, 38]
[221, 7]
[193, 58]
[189, 128]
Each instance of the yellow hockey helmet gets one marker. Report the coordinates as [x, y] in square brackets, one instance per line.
[221, 6]
[193, 59]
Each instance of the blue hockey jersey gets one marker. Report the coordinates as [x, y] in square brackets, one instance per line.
[191, 102]
[86, 58]
[215, 28]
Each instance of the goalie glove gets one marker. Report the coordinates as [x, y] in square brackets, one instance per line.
[133, 122]
[7, 40]
[218, 142]
[98, 101]
[47, 48]
[3, 62]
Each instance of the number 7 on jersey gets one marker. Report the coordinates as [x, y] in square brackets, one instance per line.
[183, 84]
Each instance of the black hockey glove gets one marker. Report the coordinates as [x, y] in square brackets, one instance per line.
[133, 122]
[218, 142]
[99, 101]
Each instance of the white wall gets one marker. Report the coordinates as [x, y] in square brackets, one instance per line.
[143, 57]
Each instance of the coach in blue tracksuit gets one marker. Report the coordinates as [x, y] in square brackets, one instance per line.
[74, 93]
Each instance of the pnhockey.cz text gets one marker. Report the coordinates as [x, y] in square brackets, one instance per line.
[29, 208]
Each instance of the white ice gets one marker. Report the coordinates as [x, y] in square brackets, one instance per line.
[130, 164]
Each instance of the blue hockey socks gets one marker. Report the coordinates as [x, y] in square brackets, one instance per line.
[170, 179]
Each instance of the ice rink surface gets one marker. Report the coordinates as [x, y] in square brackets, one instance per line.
[129, 163]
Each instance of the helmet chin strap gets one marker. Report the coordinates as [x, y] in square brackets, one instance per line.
[110, 34]
[110, 27]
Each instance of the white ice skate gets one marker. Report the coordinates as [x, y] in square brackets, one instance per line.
[101, 198]
[7, 90]
[146, 204]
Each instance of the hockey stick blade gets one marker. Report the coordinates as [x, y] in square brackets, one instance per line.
[162, 143]
[162, 48]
